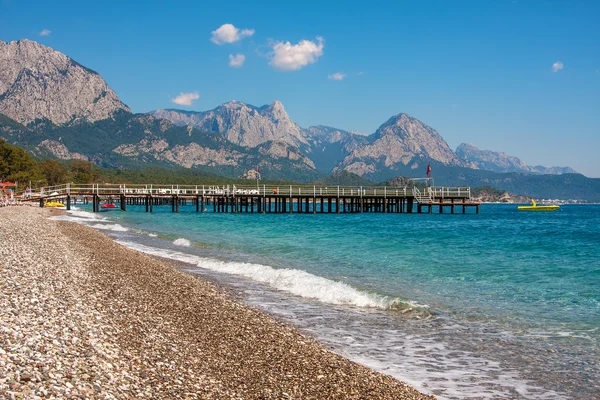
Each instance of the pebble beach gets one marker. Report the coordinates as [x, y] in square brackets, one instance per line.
[84, 317]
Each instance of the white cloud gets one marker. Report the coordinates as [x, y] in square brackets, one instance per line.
[338, 76]
[186, 99]
[288, 57]
[46, 32]
[227, 33]
[237, 60]
[557, 66]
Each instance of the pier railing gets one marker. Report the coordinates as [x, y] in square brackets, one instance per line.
[107, 189]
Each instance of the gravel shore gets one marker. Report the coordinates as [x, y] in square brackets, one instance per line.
[83, 317]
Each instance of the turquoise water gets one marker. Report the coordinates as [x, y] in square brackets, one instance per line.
[513, 297]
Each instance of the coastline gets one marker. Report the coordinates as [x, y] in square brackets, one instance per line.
[83, 315]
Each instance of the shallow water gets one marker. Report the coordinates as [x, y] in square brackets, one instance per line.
[501, 304]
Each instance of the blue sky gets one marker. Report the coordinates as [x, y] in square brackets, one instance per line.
[477, 71]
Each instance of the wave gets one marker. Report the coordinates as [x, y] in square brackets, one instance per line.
[110, 227]
[182, 242]
[297, 282]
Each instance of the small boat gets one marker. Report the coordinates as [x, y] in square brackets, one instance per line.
[108, 206]
[535, 207]
[53, 204]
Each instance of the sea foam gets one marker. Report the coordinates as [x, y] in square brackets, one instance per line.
[110, 227]
[297, 282]
[182, 242]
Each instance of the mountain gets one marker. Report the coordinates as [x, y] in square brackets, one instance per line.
[241, 123]
[501, 162]
[388, 151]
[402, 143]
[37, 82]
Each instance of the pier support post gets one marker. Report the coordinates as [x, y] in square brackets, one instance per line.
[123, 203]
[68, 202]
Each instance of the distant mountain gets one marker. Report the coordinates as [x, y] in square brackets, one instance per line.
[241, 123]
[37, 82]
[401, 142]
[501, 162]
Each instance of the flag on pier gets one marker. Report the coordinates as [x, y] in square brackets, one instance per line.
[428, 170]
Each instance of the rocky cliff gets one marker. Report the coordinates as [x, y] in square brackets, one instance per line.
[241, 123]
[501, 162]
[38, 82]
[403, 141]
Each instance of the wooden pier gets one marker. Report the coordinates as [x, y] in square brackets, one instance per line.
[267, 199]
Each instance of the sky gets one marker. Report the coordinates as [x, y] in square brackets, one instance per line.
[521, 77]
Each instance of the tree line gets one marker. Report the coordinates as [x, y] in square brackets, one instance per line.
[16, 165]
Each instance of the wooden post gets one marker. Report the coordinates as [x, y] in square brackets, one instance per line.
[68, 202]
[122, 201]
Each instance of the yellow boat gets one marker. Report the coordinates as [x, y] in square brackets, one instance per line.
[53, 204]
[535, 207]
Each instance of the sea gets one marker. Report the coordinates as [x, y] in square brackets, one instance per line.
[500, 304]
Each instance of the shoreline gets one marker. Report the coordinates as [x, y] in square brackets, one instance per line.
[86, 316]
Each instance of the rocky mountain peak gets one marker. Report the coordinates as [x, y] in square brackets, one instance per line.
[242, 123]
[400, 141]
[234, 105]
[39, 82]
[275, 111]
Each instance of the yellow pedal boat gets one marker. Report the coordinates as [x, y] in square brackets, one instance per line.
[53, 204]
[535, 207]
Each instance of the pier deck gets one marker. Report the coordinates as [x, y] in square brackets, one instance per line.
[267, 199]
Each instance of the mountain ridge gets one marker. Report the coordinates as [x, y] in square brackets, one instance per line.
[501, 162]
